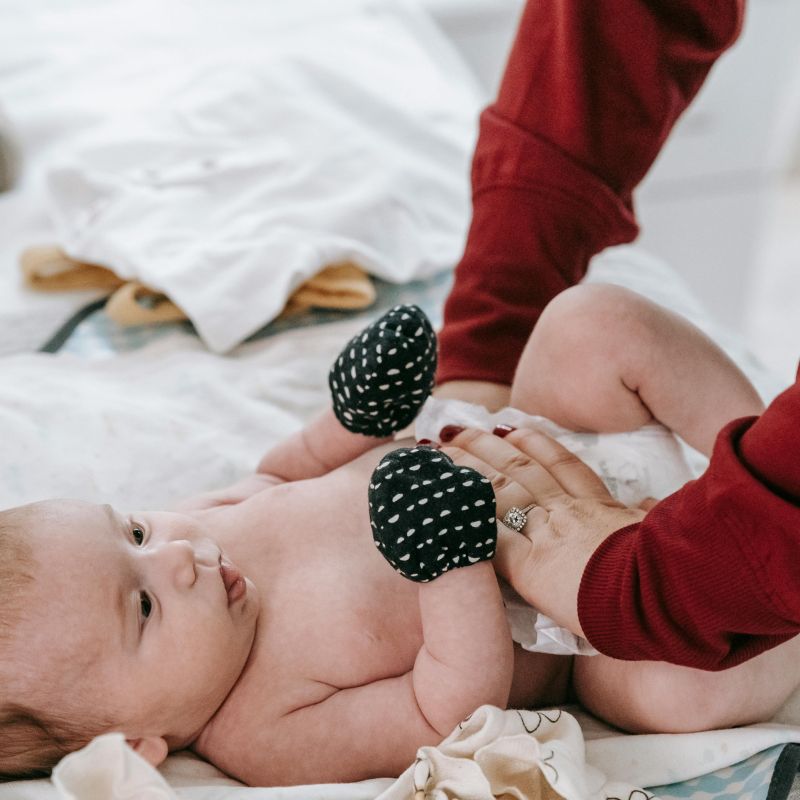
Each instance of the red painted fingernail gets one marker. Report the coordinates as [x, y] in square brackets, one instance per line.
[502, 430]
[449, 432]
[423, 441]
[429, 443]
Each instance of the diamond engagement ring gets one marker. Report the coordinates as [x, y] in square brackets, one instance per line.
[515, 518]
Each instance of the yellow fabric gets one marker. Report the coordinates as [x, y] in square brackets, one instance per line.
[48, 268]
[336, 286]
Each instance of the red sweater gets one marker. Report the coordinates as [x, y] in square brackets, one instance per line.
[711, 576]
[590, 93]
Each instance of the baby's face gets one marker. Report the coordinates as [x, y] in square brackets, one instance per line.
[148, 605]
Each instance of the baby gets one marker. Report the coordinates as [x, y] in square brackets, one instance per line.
[261, 627]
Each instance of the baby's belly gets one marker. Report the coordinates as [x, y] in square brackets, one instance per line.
[329, 595]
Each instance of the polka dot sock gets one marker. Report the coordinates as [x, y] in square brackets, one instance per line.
[430, 515]
[385, 373]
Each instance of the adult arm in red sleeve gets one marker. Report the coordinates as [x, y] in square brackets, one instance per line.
[711, 576]
[590, 92]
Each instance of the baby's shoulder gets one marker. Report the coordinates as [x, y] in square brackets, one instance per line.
[228, 496]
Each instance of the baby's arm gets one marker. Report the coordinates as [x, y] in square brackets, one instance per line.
[375, 730]
[434, 522]
[466, 659]
[322, 445]
[378, 383]
[603, 358]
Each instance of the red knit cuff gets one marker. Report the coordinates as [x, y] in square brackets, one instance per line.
[538, 218]
[708, 579]
[509, 156]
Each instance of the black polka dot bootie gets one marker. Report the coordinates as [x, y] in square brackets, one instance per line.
[385, 373]
[430, 515]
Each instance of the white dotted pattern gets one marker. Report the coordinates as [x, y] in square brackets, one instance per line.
[385, 373]
[429, 515]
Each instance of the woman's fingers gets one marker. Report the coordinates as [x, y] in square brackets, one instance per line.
[578, 479]
[511, 463]
[507, 491]
[546, 470]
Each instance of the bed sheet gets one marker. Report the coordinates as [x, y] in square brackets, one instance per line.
[86, 423]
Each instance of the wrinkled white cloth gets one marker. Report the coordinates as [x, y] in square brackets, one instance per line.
[107, 768]
[528, 755]
[536, 755]
[343, 133]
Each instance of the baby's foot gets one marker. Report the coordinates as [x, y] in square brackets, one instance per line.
[385, 373]
[430, 515]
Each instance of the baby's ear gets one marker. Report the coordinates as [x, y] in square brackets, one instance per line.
[151, 748]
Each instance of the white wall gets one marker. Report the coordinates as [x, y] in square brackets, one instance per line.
[703, 206]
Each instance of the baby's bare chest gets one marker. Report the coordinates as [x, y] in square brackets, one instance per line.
[333, 612]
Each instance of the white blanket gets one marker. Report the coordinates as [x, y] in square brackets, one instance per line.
[229, 151]
[225, 152]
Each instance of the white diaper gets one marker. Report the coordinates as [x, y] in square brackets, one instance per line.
[648, 462]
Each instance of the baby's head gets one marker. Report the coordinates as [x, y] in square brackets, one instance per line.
[112, 623]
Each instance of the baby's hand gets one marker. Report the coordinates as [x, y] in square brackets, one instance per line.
[430, 515]
[378, 384]
[385, 373]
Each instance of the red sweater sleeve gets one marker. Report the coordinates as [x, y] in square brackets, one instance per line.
[711, 576]
[590, 93]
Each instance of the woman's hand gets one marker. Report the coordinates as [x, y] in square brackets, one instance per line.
[573, 514]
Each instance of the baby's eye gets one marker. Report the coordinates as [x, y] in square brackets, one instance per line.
[138, 534]
[146, 604]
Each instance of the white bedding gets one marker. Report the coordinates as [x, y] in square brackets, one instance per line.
[226, 152]
[148, 427]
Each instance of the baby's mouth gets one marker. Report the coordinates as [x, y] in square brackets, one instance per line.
[235, 587]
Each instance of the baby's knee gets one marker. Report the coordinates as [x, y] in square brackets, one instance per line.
[583, 353]
[591, 308]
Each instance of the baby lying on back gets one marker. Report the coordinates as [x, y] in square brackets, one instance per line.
[261, 626]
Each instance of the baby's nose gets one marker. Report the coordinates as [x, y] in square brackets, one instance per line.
[178, 560]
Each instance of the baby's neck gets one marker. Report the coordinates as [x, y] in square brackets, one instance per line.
[199, 742]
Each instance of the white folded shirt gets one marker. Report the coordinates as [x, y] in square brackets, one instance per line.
[336, 137]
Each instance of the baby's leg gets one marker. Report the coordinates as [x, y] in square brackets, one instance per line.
[603, 358]
[656, 697]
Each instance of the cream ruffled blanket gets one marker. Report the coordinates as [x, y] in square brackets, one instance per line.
[524, 755]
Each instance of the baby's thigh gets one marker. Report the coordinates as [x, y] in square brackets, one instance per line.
[572, 368]
[655, 697]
